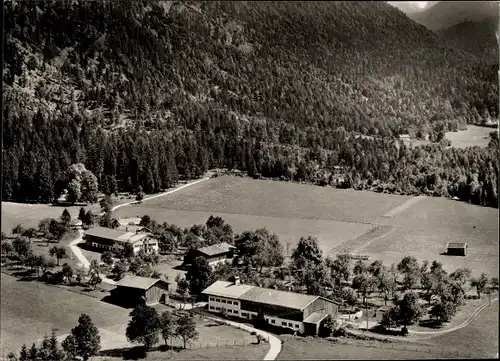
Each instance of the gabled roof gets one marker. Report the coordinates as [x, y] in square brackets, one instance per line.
[104, 232]
[457, 245]
[316, 317]
[278, 298]
[116, 234]
[227, 289]
[138, 282]
[267, 296]
[216, 249]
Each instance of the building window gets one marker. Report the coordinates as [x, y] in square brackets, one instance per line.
[212, 307]
[217, 300]
[229, 303]
[296, 326]
[290, 324]
[273, 321]
[244, 314]
[283, 323]
[235, 303]
[223, 301]
[217, 308]
[210, 298]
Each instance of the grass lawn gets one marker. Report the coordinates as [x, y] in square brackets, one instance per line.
[480, 337]
[235, 195]
[424, 229]
[28, 215]
[319, 349]
[247, 352]
[31, 309]
[473, 136]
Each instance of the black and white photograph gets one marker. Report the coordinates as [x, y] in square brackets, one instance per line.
[249, 180]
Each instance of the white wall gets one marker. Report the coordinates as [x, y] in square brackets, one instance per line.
[216, 304]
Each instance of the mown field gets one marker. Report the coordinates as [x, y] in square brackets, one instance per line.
[473, 136]
[420, 227]
[31, 309]
[28, 215]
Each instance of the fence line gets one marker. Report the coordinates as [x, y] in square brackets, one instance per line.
[414, 348]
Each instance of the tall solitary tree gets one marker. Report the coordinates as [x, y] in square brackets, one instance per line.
[167, 326]
[144, 326]
[65, 217]
[84, 340]
[186, 328]
[59, 253]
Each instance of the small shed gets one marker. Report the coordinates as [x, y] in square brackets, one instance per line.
[131, 289]
[456, 249]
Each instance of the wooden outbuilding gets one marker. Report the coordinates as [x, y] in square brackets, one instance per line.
[456, 249]
[130, 290]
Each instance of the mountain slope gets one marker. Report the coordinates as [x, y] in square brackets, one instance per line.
[449, 13]
[478, 38]
[143, 92]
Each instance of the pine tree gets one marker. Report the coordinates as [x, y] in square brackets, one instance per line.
[33, 353]
[23, 355]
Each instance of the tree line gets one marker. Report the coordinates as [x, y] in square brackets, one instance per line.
[239, 98]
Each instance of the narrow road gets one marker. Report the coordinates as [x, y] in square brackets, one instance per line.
[74, 244]
[274, 342]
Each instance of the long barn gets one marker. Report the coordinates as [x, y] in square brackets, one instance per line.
[296, 311]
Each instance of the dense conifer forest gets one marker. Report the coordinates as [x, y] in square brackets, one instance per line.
[145, 93]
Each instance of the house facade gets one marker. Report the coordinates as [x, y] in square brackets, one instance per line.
[214, 254]
[298, 312]
[114, 240]
[130, 290]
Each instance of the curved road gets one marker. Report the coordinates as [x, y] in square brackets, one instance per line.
[78, 253]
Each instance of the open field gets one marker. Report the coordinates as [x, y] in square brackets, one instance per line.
[424, 229]
[473, 136]
[28, 215]
[480, 337]
[341, 219]
[317, 349]
[235, 195]
[31, 309]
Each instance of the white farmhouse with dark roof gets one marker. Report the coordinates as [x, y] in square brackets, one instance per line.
[108, 239]
[296, 311]
[214, 254]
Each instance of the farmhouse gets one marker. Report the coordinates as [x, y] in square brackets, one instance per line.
[456, 249]
[299, 312]
[107, 239]
[214, 254]
[131, 289]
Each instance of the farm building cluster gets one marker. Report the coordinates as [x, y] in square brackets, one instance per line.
[299, 312]
[114, 240]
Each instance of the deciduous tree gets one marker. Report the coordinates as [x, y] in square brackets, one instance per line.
[144, 326]
[84, 340]
[186, 328]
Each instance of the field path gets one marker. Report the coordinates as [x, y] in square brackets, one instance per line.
[74, 244]
[403, 207]
[363, 240]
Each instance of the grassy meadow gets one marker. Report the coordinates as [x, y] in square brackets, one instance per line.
[384, 226]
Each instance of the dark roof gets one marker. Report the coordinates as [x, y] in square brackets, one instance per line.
[216, 249]
[457, 245]
[143, 283]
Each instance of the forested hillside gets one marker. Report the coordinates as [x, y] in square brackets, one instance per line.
[144, 92]
[476, 37]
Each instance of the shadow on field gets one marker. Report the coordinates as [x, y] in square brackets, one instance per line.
[430, 324]
[120, 303]
[137, 352]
